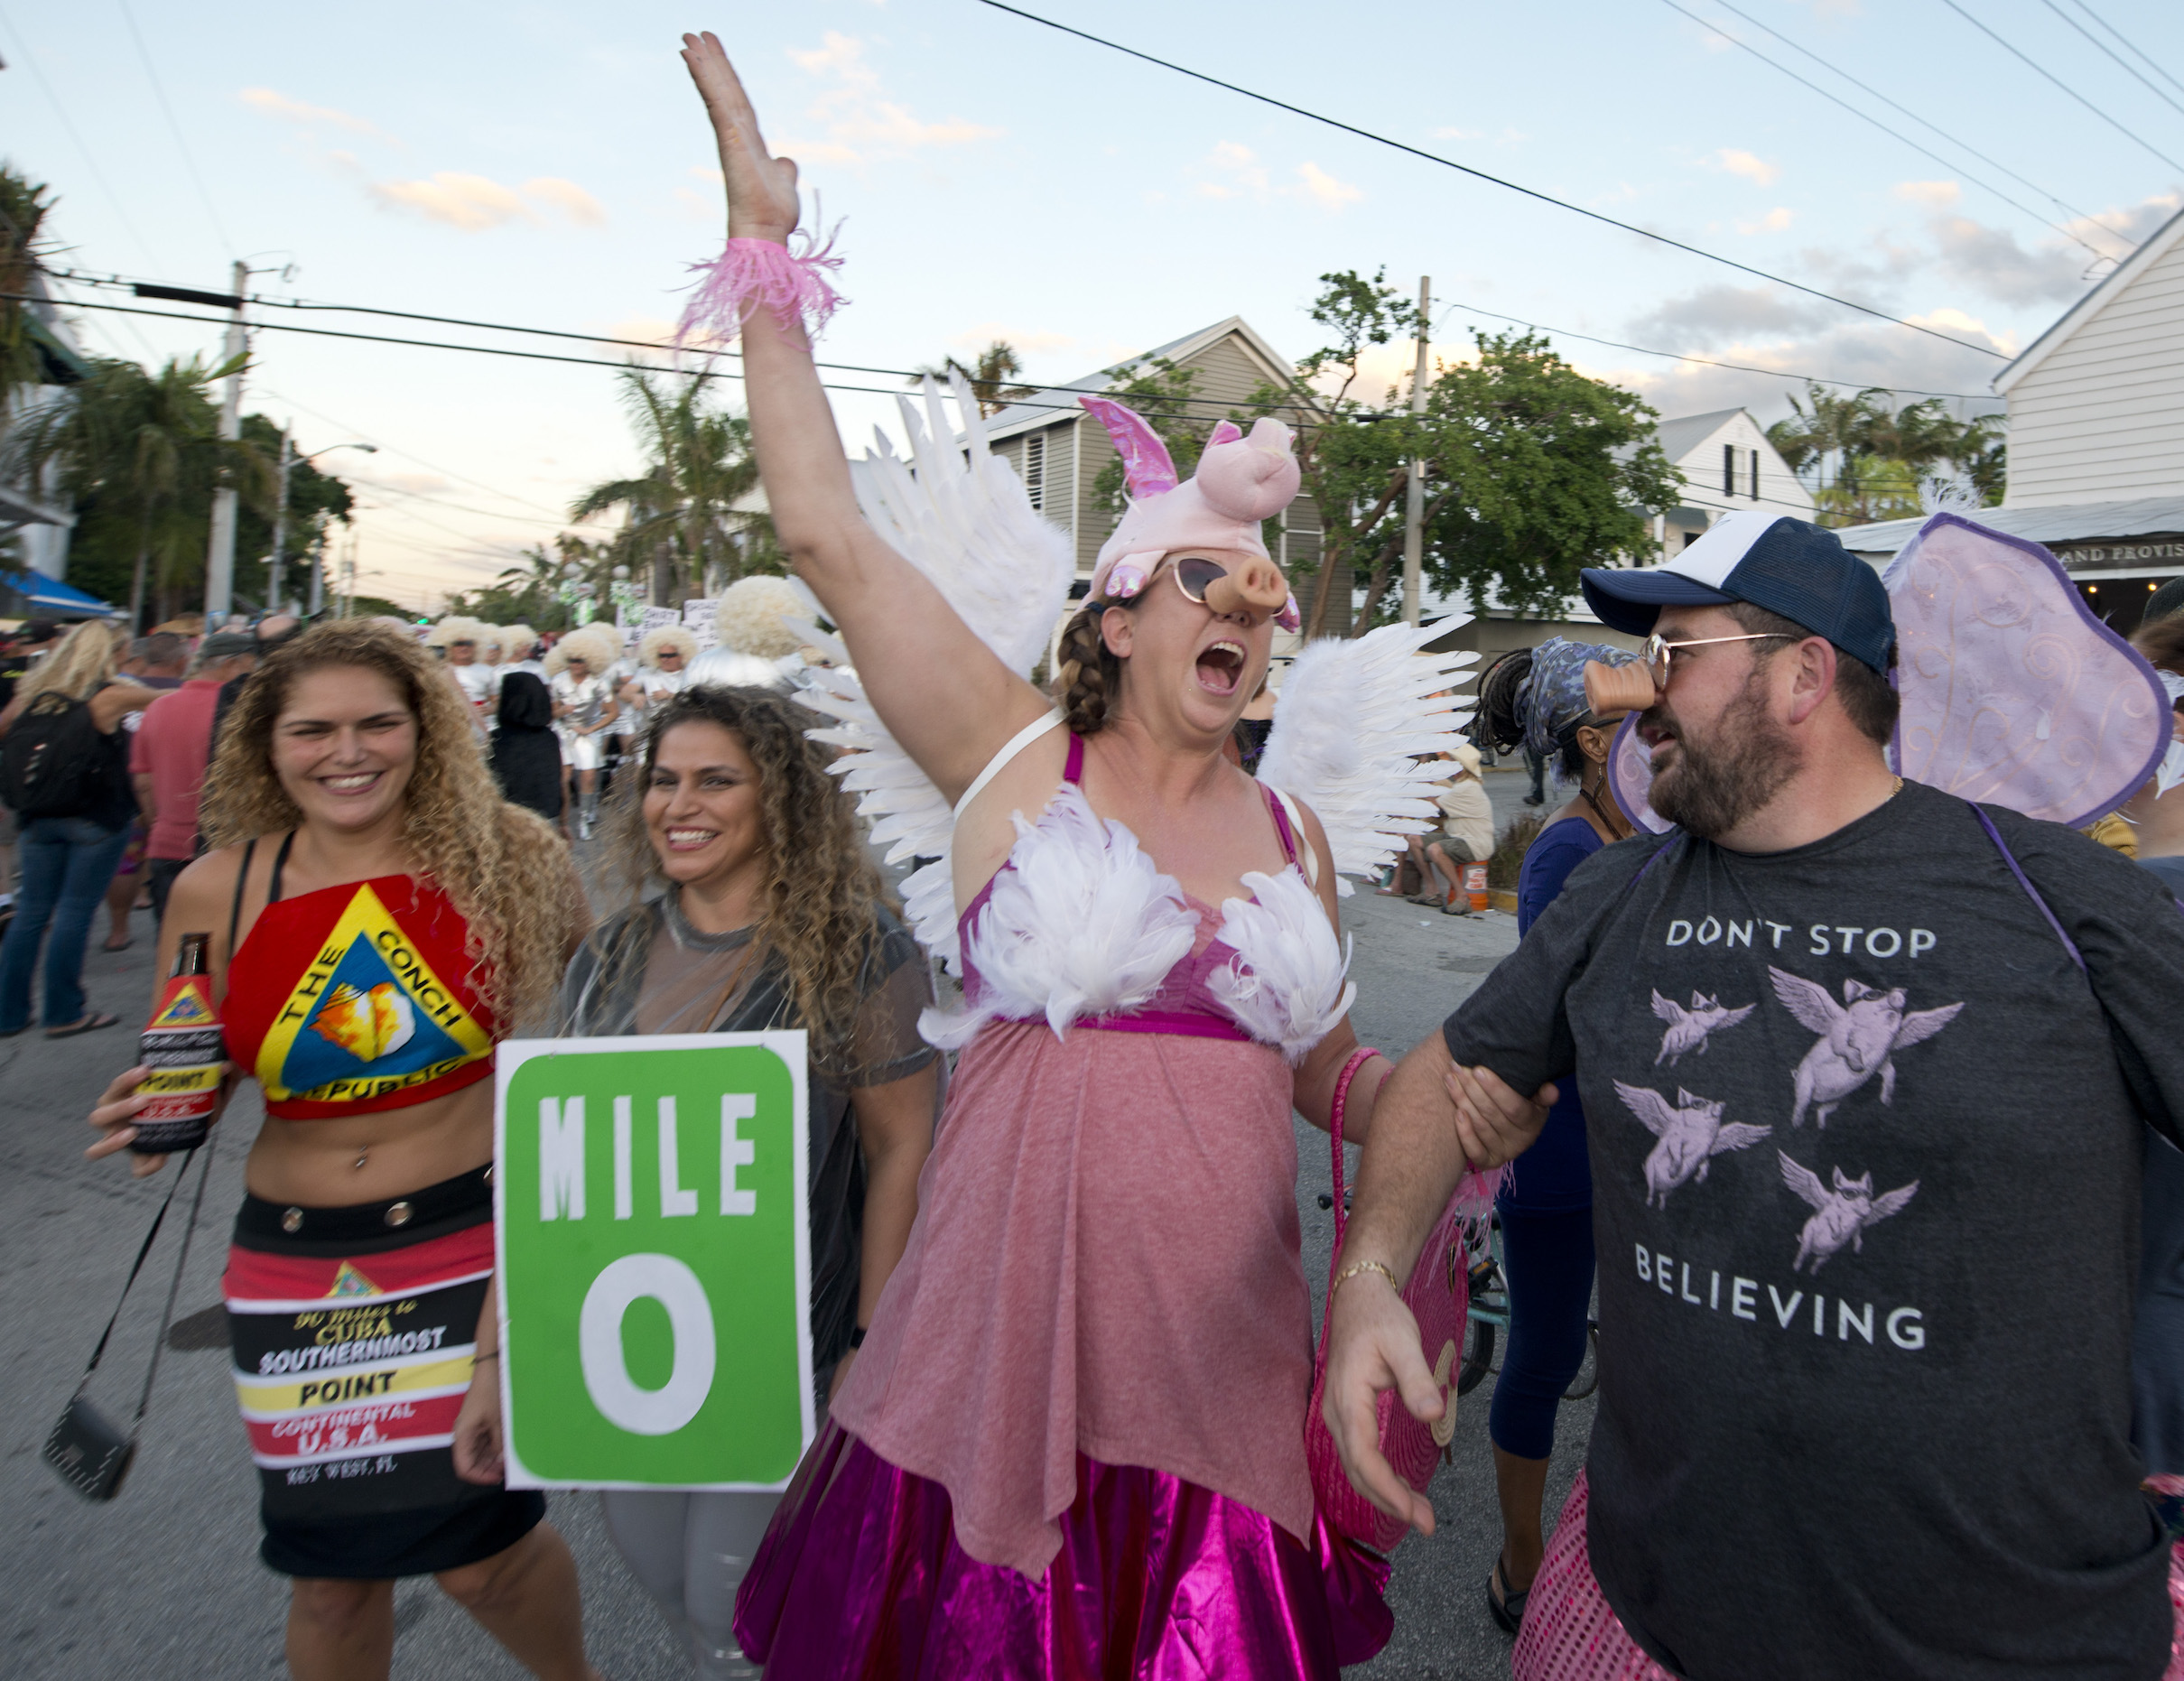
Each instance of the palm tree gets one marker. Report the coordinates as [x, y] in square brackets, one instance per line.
[992, 377]
[145, 447]
[24, 208]
[682, 519]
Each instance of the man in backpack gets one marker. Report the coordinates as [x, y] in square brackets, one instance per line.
[171, 752]
[1868, 1232]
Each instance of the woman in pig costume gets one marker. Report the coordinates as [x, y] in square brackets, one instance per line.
[1073, 1442]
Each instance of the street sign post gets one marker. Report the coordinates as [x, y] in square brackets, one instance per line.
[654, 1260]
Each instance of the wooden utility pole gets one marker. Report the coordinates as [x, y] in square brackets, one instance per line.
[1414, 494]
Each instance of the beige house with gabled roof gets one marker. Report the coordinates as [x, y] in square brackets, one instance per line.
[1059, 451]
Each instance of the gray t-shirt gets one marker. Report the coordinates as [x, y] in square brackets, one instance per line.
[1866, 1175]
[649, 971]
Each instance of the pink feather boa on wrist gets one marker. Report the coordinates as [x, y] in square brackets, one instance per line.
[752, 273]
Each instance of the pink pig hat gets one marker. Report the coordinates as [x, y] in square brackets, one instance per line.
[1242, 479]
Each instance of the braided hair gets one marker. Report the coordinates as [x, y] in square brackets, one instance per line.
[1497, 720]
[1504, 716]
[1088, 673]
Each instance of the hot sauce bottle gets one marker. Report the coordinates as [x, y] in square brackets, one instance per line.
[181, 1046]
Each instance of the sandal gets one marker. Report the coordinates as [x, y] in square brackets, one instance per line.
[108, 945]
[89, 1024]
[1507, 1606]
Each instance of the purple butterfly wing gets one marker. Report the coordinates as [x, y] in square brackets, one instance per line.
[1630, 768]
[2012, 693]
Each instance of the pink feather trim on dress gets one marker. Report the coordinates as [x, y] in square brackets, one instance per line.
[751, 272]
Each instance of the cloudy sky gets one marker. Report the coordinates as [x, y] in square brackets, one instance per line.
[547, 165]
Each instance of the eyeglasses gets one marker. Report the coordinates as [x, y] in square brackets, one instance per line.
[1655, 652]
[670, 654]
[1194, 575]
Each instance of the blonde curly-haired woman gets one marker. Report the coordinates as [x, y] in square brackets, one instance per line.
[379, 918]
[67, 857]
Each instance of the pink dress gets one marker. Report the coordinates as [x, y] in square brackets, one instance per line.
[1073, 1442]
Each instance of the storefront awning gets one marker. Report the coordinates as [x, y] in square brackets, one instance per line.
[35, 595]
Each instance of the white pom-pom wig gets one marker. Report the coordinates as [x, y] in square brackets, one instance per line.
[516, 641]
[455, 627]
[601, 645]
[725, 668]
[749, 616]
[666, 636]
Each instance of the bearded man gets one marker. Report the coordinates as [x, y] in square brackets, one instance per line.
[1867, 1264]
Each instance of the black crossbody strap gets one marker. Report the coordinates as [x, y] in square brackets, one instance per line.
[175, 1284]
[143, 1250]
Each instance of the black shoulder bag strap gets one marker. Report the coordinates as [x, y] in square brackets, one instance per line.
[92, 1453]
[2144, 1093]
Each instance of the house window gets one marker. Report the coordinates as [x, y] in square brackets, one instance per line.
[1728, 470]
[1755, 475]
[1034, 470]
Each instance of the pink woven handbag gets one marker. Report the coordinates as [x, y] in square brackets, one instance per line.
[1438, 1296]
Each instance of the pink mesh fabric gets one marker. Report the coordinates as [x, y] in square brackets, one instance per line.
[2175, 1672]
[1570, 1633]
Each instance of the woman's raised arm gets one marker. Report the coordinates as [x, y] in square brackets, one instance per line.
[909, 645]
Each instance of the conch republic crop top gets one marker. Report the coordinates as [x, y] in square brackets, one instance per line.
[354, 999]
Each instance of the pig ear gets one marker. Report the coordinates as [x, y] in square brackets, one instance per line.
[1147, 467]
[1228, 432]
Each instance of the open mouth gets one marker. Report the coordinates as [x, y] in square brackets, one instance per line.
[360, 783]
[691, 840]
[1220, 667]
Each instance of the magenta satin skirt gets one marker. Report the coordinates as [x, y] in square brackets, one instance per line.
[1158, 1579]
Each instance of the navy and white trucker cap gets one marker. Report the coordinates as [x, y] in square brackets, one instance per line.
[1787, 566]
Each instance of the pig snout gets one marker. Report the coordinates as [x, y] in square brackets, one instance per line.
[1256, 589]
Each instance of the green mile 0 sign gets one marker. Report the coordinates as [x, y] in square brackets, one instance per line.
[654, 1260]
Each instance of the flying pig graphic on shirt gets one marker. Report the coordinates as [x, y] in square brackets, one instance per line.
[1842, 1215]
[1688, 1029]
[1858, 1038]
[1691, 1133]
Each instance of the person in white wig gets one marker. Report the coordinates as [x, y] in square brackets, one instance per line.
[583, 708]
[519, 649]
[460, 638]
[663, 661]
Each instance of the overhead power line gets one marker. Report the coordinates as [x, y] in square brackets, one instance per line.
[2035, 64]
[182, 142]
[1704, 361]
[1897, 105]
[69, 124]
[1496, 180]
[2128, 68]
[1925, 152]
[2144, 56]
[146, 289]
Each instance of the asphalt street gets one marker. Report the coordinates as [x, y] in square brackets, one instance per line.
[165, 1581]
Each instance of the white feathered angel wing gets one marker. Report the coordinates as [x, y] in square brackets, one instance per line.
[960, 514]
[1349, 725]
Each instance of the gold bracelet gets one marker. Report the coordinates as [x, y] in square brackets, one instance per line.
[1356, 1267]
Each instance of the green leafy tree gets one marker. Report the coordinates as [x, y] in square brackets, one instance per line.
[1536, 472]
[139, 455]
[682, 524]
[993, 375]
[1532, 470]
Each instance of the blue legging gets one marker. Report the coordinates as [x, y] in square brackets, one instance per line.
[1548, 1259]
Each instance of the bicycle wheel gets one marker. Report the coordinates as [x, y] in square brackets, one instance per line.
[1478, 1355]
[1588, 1375]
